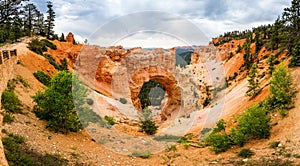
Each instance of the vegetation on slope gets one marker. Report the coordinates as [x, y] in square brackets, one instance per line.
[255, 122]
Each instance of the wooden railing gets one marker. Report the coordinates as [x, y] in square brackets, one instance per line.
[7, 54]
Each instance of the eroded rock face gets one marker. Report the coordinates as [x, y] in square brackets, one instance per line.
[120, 73]
[162, 76]
[70, 37]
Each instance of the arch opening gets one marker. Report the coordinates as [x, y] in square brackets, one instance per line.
[172, 99]
[152, 95]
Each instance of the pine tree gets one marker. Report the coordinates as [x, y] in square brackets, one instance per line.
[247, 55]
[281, 90]
[253, 87]
[275, 37]
[49, 22]
[271, 63]
[31, 18]
[62, 37]
[291, 19]
[10, 21]
[295, 61]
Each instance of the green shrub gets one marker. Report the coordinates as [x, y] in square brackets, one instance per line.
[274, 144]
[52, 61]
[10, 102]
[110, 120]
[219, 142]
[36, 46]
[17, 153]
[167, 138]
[254, 123]
[221, 124]
[296, 155]
[148, 126]
[42, 77]
[22, 81]
[246, 153]
[281, 90]
[123, 100]
[62, 95]
[87, 116]
[206, 101]
[146, 154]
[237, 137]
[49, 44]
[171, 148]
[89, 101]
[7, 118]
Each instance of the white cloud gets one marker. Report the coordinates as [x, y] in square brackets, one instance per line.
[213, 17]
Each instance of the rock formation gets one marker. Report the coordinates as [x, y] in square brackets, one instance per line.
[120, 73]
[70, 38]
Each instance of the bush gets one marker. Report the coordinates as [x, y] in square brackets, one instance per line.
[167, 138]
[281, 90]
[148, 126]
[123, 100]
[42, 77]
[220, 142]
[10, 102]
[110, 120]
[171, 148]
[221, 124]
[35, 46]
[237, 137]
[52, 61]
[274, 144]
[206, 101]
[17, 153]
[254, 123]
[49, 44]
[61, 116]
[87, 116]
[89, 101]
[7, 118]
[246, 153]
[146, 154]
[40, 46]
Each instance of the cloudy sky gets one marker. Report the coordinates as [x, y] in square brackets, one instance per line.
[149, 23]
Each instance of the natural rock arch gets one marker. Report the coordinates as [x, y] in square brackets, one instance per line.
[161, 75]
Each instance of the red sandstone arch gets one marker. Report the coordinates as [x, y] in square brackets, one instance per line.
[165, 79]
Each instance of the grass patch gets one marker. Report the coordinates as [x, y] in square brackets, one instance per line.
[7, 118]
[144, 155]
[42, 77]
[246, 153]
[167, 138]
[274, 144]
[17, 153]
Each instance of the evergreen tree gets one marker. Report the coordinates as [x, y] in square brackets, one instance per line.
[281, 90]
[31, 18]
[247, 55]
[253, 87]
[62, 37]
[291, 19]
[49, 22]
[271, 63]
[39, 27]
[275, 37]
[10, 22]
[57, 103]
[295, 61]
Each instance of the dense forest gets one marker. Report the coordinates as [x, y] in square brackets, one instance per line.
[283, 34]
[21, 18]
